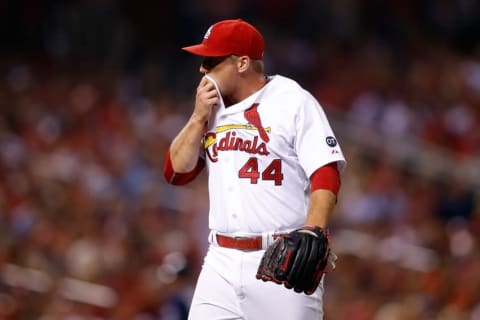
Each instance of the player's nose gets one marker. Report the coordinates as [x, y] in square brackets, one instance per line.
[202, 69]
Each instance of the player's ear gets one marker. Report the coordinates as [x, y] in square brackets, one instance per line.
[243, 63]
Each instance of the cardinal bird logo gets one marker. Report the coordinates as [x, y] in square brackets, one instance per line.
[252, 116]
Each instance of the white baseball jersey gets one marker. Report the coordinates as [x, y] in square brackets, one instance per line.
[260, 154]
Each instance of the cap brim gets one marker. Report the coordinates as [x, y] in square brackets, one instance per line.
[203, 50]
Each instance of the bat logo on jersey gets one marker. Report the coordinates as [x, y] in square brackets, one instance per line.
[234, 143]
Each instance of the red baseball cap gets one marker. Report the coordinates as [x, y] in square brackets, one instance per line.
[228, 37]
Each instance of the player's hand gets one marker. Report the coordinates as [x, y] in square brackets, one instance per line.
[206, 98]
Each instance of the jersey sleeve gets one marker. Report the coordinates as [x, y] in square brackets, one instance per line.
[315, 141]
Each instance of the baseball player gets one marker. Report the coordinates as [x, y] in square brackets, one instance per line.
[273, 166]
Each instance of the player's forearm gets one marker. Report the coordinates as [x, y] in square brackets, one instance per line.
[185, 148]
[322, 203]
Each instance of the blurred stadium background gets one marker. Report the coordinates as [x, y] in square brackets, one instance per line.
[92, 91]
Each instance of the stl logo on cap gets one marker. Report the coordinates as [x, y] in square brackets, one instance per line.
[207, 34]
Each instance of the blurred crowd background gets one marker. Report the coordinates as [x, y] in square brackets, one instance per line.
[93, 91]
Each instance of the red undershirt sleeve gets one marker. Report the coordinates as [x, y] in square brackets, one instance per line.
[326, 177]
[176, 178]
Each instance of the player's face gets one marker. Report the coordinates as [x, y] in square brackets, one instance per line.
[223, 70]
[209, 63]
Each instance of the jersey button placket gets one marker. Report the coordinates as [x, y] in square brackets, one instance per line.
[231, 179]
[231, 196]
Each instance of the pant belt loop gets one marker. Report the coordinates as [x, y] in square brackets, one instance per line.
[267, 239]
[212, 237]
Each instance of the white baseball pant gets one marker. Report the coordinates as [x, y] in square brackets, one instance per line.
[228, 290]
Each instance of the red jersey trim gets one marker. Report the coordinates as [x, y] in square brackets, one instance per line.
[326, 177]
[176, 178]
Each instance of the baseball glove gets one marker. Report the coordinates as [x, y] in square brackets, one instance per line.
[297, 260]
